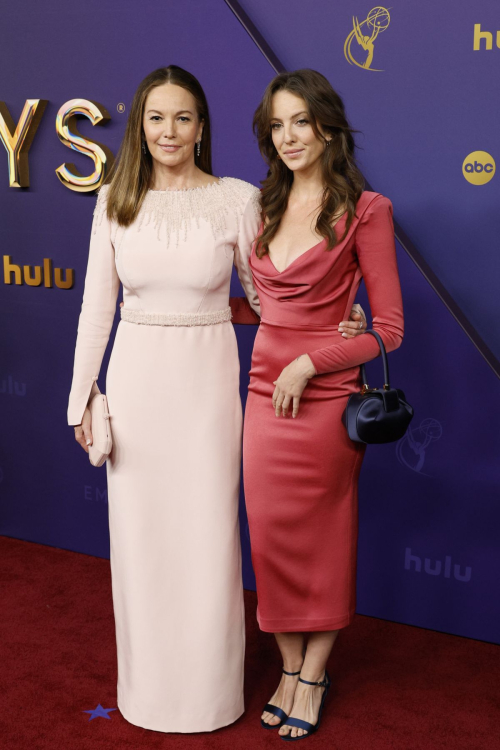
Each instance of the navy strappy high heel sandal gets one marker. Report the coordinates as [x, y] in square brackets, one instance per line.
[275, 710]
[299, 723]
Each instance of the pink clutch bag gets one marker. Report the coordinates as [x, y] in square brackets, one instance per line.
[101, 430]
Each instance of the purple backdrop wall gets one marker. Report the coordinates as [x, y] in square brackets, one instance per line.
[429, 513]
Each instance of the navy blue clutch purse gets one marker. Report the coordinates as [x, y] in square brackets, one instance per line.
[377, 415]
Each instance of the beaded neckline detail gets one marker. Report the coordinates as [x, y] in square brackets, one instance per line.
[188, 190]
[173, 213]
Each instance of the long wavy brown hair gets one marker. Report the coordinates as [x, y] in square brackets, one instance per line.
[342, 180]
[131, 176]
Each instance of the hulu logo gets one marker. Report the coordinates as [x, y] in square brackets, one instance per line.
[486, 37]
[436, 567]
[14, 273]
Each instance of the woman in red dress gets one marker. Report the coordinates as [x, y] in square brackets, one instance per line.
[322, 234]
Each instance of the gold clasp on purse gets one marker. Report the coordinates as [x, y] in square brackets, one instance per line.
[366, 389]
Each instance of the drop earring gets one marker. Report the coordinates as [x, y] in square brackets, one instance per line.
[144, 147]
[198, 147]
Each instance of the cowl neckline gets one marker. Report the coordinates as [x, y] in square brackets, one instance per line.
[296, 261]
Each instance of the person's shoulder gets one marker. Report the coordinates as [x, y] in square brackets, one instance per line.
[101, 206]
[102, 195]
[242, 196]
[370, 199]
[103, 191]
[370, 203]
[240, 189]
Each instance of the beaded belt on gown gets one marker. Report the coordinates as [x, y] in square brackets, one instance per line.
[208, 318]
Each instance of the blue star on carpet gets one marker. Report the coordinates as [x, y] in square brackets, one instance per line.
[99, 711]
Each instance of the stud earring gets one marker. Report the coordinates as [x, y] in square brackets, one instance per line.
[198, 147]
[144, 147]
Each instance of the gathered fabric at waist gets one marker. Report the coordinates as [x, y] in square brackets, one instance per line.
[278, 344]
[143, 317]
[300, 326]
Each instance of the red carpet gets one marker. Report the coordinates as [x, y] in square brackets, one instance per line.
[394, 686]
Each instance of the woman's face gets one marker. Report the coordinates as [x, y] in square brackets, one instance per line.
[294, 139]
[171, 125]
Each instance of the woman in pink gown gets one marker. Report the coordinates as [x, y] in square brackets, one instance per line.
[170, 233]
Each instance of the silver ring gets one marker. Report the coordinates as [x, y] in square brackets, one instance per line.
[361, 324]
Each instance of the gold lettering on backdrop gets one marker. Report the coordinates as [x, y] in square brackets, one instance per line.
[486, 36]
[17, 139]
[64, 278]
[9, 269]
[47, 272]
[68, 134]
[33, 281]
[65, 283]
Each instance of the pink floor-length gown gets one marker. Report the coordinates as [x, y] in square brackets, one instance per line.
[173, 475]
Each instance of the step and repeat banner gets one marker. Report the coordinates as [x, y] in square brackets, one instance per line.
[420, 84]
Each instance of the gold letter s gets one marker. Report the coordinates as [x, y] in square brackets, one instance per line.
[17, 140]
[68, 134]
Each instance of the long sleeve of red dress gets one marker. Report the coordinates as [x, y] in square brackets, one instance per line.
[376, 253]
[242, 313]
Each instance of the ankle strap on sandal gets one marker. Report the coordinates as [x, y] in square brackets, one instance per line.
[290, 673]
[324, 683]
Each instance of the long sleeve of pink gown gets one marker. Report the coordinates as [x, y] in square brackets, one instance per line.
[376, 252]
[98, 311]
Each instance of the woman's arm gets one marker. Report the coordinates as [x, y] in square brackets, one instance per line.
[377, 259]
[246, 310]
[97, 314]
[242, 313]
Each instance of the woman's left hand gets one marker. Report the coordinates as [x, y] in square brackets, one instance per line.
[356, 323]
[290, 385]
[293, 379]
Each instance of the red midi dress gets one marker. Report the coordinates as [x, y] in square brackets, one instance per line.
[301, 475]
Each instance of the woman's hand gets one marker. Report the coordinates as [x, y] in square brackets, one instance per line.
[356, 323]
[290, 385]
[293, 379]
[83, 431]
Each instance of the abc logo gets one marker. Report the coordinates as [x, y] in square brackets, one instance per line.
[478, 168]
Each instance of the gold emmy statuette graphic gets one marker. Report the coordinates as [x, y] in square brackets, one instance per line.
[68, 134]
[17, 139]
[377, 20]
